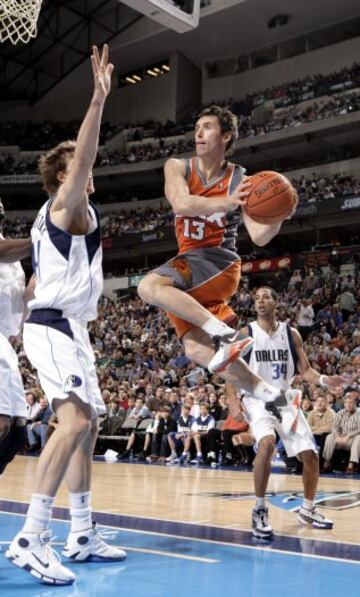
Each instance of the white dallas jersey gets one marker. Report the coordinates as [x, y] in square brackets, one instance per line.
[273, 358]
[68, 268]
[12, 286]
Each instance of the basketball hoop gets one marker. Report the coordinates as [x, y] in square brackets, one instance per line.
[18, 20]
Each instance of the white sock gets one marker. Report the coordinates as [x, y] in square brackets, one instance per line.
[259, 503]
[215, 327]
[80, 511]
[211, 454]
[199, 454]
[265, 391]
[308, 504]
[38, 514]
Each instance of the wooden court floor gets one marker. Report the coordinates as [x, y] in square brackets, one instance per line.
[204, 496]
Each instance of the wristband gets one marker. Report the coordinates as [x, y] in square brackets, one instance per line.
[323, 380]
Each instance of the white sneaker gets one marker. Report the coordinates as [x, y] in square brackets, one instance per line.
[314, 518]
[228, 350]
[261, 528]
[197, 460]
[88, 546]
[172, 458]
[33, 553]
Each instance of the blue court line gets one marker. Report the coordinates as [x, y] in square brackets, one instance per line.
[153, 572]
[281, 543]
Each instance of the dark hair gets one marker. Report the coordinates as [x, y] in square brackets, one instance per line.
[53, 162]
[228, 123]
[272, 292]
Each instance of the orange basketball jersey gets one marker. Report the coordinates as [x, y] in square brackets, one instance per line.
[218, 229]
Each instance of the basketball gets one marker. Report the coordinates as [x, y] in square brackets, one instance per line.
[272, 198]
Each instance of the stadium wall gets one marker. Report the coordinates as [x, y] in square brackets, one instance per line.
[325, 61]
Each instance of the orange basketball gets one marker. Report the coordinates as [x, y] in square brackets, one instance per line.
[272, 198]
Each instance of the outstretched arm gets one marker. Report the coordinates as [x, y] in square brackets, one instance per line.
[307, 372]
[72, 192]
[184, 204]
[14, 250]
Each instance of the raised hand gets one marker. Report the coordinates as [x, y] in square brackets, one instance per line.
[102, 70]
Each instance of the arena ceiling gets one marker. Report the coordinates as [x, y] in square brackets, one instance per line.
[68, 28]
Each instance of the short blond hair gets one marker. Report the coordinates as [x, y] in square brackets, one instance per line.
[54, 161]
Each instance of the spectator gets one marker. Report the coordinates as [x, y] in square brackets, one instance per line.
[114, 419]
[177, 438]
[305, 318]
[347, 303]
[33, 407]
[346, 435]
[39, 427]
[175, 404]
[233, 426]
[159, 444]
[306, 406]
[321, 421]
[215, 410]
[204, 436]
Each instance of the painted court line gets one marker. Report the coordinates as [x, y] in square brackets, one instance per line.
[267, 548]
[155, 552]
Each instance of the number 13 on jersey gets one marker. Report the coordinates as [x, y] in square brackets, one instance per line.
[194, 229]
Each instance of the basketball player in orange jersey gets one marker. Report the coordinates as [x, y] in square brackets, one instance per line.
[207, 194]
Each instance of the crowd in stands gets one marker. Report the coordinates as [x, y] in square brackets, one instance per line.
[310, 190]
[32, 136]
[143, 372]
[285, 97]
[287, 118]
[299, 90]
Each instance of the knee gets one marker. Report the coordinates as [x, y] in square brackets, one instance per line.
[309, 459]
[95, 426]
[76, 430]
[147, 288]
[267, 446]
[193, 351]
[5, 425]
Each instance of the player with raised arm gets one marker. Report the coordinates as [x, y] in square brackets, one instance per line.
[277, 354]
[13, 413]
[207, 194]
[67, 259]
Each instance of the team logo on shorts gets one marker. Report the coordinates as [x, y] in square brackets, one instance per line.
[181, 265]
[73, 381]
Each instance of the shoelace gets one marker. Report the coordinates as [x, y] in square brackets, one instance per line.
[50, 553]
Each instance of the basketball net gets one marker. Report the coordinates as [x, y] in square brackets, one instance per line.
[18, 20]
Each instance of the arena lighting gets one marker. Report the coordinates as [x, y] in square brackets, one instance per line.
[167, 13]
[165, 67]
[151, 72]
[137, 78]
[130, 80]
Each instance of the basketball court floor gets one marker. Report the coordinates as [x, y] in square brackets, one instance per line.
[186, 532]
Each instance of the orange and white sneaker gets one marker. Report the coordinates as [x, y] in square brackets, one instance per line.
[228, 349]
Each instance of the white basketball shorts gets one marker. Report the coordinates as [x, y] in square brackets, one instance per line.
[12, 395]
[262, 423]
[59, 348]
